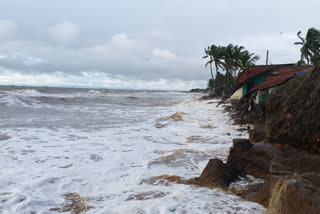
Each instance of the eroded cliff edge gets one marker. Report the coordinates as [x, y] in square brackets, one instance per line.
[285, 152]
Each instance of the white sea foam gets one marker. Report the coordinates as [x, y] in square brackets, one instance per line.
[94, 92]
[105, 161]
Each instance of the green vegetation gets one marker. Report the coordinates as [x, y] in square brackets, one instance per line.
[310, 50]
[198, 90]
[230, 60]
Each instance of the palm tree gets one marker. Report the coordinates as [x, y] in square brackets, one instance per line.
[247, 59]
[214, 53]
[310, 45]
[217, 56]
[230, 59]
[208, 55]
[238, 52]
[231, 56]
[316, 59]
[313, 35]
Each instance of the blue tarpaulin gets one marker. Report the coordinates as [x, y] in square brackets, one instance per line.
[301, 72]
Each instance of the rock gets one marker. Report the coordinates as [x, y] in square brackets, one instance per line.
[245, 159]
[261, 192]
[216, 174]
[263, 158]
[177, 116]
[256, 136]
[239, 163]
[159, 125]
[269, 162]
[241, 143]
[296, 194]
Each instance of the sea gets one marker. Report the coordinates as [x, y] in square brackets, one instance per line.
[67, 150]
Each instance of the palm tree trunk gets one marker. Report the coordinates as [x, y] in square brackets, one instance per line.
[216, 65]
[211, 71]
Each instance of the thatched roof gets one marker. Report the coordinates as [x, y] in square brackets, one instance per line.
[278, 77]
[249, 74]
[293, 112]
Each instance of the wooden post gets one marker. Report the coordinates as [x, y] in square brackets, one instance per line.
[267, 59]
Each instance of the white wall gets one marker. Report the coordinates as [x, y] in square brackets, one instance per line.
[237, 95]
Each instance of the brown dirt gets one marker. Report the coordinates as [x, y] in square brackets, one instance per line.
[75, 204]
[163, 178]
[146, 196]
[66, 166]
[208, 126]
[177, 116]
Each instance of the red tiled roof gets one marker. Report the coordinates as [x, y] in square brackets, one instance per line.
[280, 77]
[253, 71]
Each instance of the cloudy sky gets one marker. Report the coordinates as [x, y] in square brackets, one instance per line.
[140, 44]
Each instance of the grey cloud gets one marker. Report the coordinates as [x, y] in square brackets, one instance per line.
[119, 55]
[63, 32]
[7, 29]
[144, 39]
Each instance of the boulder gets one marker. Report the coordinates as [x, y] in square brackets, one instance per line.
[215, 174]
[245, 158]
[296, 194]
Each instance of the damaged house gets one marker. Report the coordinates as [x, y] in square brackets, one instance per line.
[276, 78]
[255, 84]
[250, 78]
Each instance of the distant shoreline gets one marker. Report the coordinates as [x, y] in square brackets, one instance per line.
[83, 88]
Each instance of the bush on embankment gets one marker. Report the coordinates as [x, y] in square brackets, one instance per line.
[293, 112]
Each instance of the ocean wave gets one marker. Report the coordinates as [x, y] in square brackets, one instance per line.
[34, 98]
[23, 92]
[94, 92]
[14, 100]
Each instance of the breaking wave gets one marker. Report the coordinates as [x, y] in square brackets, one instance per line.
[66, 148]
